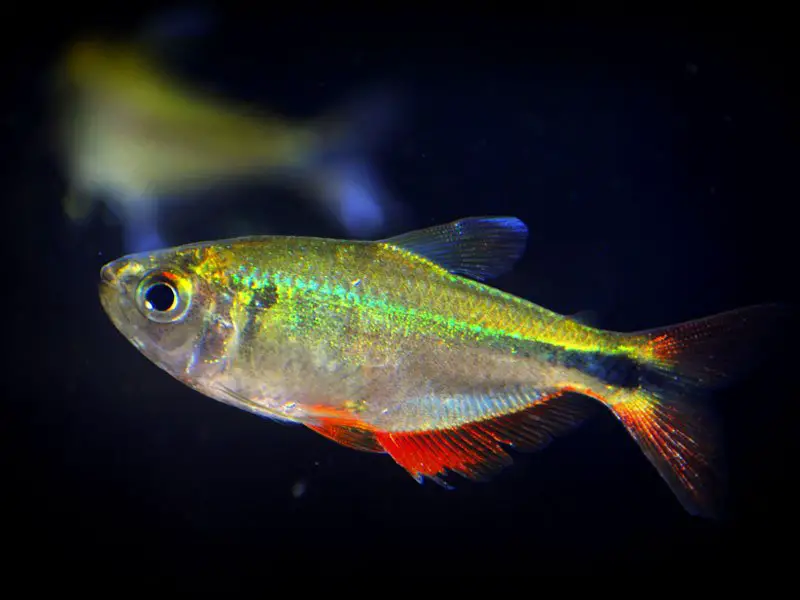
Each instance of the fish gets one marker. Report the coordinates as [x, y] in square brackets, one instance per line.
[399, 346]
[132, 134]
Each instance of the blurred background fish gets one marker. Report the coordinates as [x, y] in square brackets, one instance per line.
[133, 134]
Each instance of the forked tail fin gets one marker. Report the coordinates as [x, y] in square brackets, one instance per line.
[666, 415]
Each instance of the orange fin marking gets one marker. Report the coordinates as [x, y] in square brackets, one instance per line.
[475, 451]
[667, 414]
[716, 350]
[340, 425]
[682, 442]
[348, 435]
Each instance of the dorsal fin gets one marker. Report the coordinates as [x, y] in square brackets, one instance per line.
[478, 247]
[475, 451]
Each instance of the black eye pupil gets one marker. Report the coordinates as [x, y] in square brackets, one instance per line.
[160, 297]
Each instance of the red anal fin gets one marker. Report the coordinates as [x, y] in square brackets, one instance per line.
[348, 435]
[475, 451]
[343, 427]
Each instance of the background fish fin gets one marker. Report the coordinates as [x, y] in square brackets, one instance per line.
[475, 451]
[342, 175]
[140, 222]
[478, 247]
[348, 435]
[78, 206]
[174, 34]
[177, 24]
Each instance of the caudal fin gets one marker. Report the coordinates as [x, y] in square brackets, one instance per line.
[666, 414]
[342, 174]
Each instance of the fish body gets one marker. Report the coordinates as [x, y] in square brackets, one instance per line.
[135, 134]
[399, 346]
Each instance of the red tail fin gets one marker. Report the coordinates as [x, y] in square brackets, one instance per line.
[712, 351]
[665, 414]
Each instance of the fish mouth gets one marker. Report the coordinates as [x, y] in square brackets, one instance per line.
[115, 303]
[108, 275]
[113, 294]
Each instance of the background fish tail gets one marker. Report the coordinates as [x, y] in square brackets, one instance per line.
[666, 414]
[342, 174]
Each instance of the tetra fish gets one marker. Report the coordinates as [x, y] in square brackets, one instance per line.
[398, 346]
[134, 135]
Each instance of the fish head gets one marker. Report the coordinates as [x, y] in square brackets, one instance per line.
[168, 309]
[96, 61]
[99, 76]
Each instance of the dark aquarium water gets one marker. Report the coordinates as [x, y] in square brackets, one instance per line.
[654, 162]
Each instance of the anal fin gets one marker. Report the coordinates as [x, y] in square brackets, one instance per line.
[349, 436]
[475, 451]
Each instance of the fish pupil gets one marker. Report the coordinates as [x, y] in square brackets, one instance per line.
[160, 297]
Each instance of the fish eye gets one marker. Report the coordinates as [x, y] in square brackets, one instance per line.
[160, 296]
[163, 297]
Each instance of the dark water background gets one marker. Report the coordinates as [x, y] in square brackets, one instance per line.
[655, 162]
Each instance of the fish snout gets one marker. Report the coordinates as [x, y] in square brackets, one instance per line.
[115, 272]
[107, 274]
